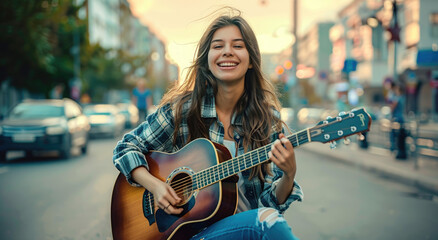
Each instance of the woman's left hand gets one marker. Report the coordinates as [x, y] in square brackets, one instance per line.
[283, 155]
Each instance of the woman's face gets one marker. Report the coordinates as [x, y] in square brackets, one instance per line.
[228, 58]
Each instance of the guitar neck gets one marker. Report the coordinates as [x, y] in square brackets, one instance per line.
[243, 162]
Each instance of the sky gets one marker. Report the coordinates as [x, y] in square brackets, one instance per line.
[181, 23]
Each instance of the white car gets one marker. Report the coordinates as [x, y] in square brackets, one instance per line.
[105, 119]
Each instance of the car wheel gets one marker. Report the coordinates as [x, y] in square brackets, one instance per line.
[84, 148]
[66, 150]
[2, 156]
[28, 154]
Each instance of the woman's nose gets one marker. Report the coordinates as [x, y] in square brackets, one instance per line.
[227, 50]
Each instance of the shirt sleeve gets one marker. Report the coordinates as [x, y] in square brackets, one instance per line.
[156, 133]
[268, 197]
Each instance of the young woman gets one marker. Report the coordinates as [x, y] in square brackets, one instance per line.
[227, 100]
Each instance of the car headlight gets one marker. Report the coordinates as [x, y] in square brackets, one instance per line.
[55, 130]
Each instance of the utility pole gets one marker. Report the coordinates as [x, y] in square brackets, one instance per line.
[294, 84]
[395, 38]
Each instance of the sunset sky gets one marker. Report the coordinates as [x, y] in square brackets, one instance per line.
[180, 24]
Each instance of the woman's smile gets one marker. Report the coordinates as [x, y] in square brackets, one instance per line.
[228, 58]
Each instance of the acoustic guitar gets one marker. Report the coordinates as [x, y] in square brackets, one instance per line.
[203, 174]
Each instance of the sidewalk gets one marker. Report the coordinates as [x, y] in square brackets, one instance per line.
[381, 161]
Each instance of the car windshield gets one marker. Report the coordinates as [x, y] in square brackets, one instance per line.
[36, 111]
[100, 110]
[90, 112]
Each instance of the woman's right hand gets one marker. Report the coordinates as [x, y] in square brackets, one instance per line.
[165, 196]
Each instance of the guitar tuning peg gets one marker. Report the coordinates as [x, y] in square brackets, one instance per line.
[347, 141]
[342, 114]
[332, 145]
[328, 118]
[361, 137]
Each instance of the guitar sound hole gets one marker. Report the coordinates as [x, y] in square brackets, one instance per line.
[182, 183]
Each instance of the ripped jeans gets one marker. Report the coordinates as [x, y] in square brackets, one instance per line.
[247, 225]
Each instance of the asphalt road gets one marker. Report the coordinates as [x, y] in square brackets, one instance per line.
[345, 202]
[50, 198]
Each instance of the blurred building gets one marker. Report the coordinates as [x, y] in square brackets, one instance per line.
[312, 68]
[360, 51]
[104, 23]
[112, 25]
[394, 40]
[314, 50]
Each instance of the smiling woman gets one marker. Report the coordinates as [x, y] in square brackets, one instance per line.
[225, 99]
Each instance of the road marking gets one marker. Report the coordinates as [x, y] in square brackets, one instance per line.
[3, 169]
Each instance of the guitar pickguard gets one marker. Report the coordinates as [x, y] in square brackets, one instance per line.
[165, 221]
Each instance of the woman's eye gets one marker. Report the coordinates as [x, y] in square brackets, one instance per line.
[217, 46]
[238, 46]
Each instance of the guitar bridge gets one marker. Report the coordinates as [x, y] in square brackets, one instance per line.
[148, 207]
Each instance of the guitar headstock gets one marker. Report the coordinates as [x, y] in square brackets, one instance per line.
[344, 125]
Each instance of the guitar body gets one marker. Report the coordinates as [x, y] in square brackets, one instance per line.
[204, 176]
[135, 216]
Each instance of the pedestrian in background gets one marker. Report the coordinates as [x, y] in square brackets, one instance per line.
[141, 98]
[57, 92]
[226, 99]
[398, 131]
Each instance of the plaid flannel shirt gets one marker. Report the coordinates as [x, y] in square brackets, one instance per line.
[156, 133]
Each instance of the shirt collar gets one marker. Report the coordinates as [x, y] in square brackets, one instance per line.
[208, 108]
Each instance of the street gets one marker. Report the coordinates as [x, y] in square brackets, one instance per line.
[58, 199]
[345, 202]
[50, 198]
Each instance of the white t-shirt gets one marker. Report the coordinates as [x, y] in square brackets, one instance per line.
[242, 202]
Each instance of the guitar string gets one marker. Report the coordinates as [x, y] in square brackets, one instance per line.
[182, 186]
[187, 192]
[218, 168]
[251, 156]
[183, 183]
[204, 173]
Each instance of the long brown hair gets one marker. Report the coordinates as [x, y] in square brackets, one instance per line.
[255, 106]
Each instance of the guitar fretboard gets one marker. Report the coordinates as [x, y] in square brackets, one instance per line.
[245, 161]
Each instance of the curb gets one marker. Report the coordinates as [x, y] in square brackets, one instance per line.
[405, 176]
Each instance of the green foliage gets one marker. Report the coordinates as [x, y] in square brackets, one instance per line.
[101, 72]
[37, 42]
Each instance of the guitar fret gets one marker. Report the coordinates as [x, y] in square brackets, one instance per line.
[223, 173]
[228, 167]
[245, 161]
[242, 166]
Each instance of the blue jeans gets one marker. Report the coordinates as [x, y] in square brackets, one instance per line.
[247, 225]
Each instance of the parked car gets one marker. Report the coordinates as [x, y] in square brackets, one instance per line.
[48, 124]
[105, 120]
[130, 112]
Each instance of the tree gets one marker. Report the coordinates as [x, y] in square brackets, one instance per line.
[30, 42]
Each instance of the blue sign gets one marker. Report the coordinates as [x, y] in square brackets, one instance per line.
[350, 65]
[427, 58]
